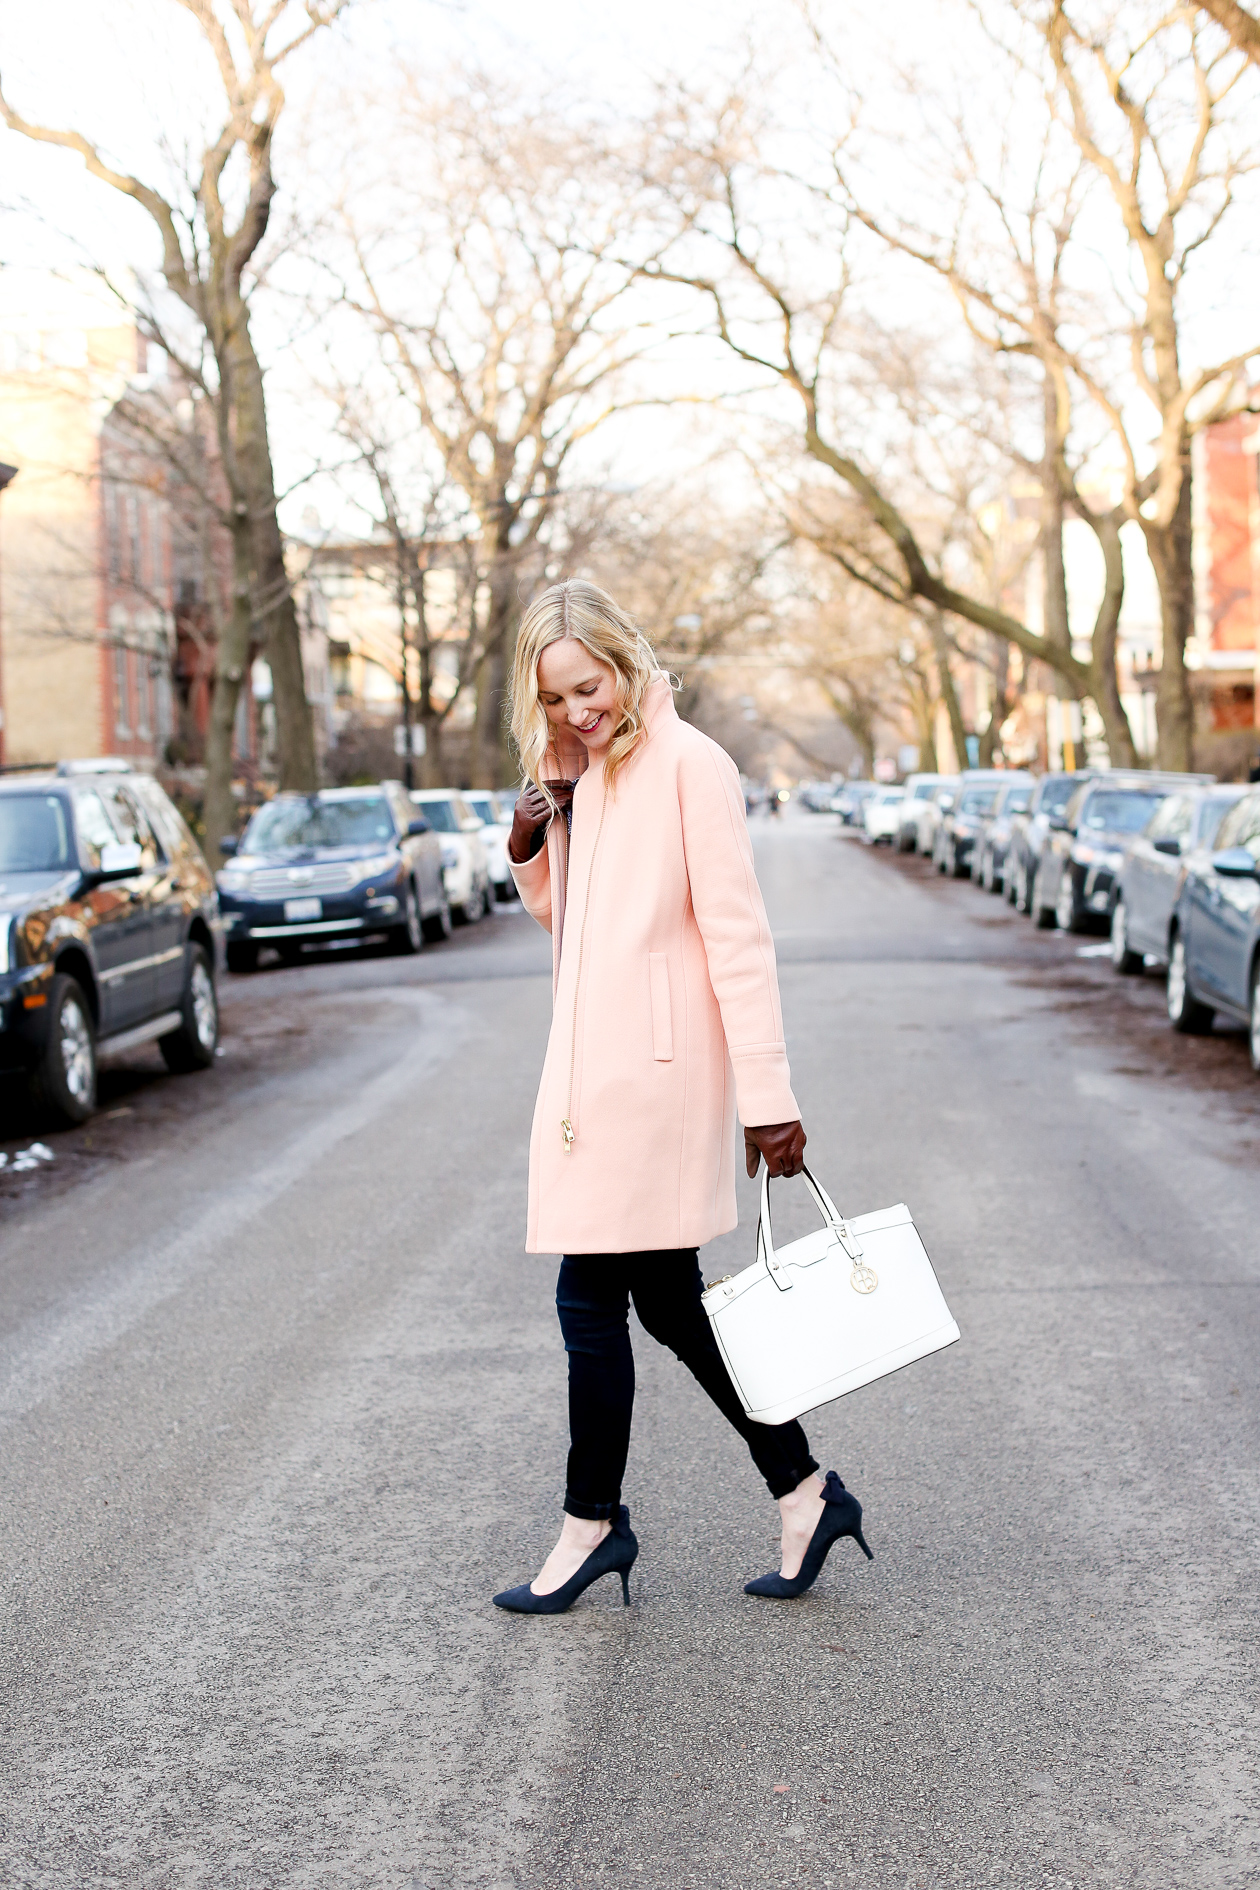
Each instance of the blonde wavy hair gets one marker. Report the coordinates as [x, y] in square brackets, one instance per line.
[582, 611]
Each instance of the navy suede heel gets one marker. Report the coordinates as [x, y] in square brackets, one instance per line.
[842, 1516]
[614, 1556]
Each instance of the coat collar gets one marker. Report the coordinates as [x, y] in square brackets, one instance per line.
[658, 703]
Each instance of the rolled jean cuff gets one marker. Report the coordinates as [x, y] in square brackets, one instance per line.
[785, 1481]
[591, 1512]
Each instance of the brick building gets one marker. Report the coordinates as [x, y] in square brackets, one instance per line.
[115, 567]
[1226, 646]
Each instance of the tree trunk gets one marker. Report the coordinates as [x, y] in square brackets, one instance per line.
[1170, 552]
[492, 762]
[1104, 686]
[231, 660]
[276, 613]
[949, 695]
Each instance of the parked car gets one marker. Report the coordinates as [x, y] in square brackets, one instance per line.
[1028, 842]
[494, 811]
[918, 787]
[345, 863]
[1011, 806]
[960, 824]
[1150, 878]
[817, 795]
[928, 814]
[1214, 952]
[881, 816]
[851, 799]
[107, 917]
[1080, 864]
[465, 866]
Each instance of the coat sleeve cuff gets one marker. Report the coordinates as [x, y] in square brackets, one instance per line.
[533, 883]
[763, 1085]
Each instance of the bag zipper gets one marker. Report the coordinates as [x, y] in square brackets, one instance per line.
[566, 1125]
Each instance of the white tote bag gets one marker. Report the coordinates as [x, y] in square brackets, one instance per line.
[826, 1314]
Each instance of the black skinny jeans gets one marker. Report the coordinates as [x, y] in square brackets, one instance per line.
[593, 1297]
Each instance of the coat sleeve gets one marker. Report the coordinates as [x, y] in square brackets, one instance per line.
[533, 883]
[727, 903]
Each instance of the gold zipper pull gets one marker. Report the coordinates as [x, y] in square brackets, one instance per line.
[566, 1130]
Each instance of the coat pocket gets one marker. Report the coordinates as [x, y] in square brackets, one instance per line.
[662, 1021]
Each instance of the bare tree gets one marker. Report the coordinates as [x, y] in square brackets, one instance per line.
[1145, 103]
[512, 349]
[211, 230]
[1243, 27]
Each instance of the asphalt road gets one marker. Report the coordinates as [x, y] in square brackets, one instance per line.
[282, 1404]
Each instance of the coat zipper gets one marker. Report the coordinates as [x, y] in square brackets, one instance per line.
[566, 1126]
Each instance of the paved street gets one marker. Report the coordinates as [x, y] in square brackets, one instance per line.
[283, 1405]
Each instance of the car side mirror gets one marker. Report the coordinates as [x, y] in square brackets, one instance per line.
[417, 826]
[1057, 824]
[1171, 847]
[228, 845]
[1236, 863]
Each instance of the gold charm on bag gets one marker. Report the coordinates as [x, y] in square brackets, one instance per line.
[863, 1279]
[566, 1130]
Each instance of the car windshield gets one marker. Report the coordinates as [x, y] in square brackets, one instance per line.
[1055, 795]
[1114, 811]
[1211, 814]
[34, 834]
[440, 816]
[924, 790]
[1017, 801]
[483, 807]
[977, 800]
[319, 823]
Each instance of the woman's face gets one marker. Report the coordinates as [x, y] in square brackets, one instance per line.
[578, 692]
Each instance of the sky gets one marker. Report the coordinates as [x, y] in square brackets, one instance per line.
[120, 69]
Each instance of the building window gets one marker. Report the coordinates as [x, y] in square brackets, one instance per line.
[122, 692]
[113, 546]
[133, 538]
[142, 694]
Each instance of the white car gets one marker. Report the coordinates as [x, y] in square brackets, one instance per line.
[465, 868]
[929, 813]
[881, 816]
[495, 812]
[919, 787]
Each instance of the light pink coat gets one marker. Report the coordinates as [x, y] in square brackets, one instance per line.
[666, 1017]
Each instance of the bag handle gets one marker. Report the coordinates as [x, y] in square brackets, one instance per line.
[830, 1214]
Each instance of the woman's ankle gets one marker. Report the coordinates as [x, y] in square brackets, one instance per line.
[584, 1531]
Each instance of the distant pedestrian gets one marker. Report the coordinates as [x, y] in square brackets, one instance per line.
[630, 845]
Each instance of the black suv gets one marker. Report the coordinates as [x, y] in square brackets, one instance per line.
[107, 911]
[1079, 873]
[341, 864]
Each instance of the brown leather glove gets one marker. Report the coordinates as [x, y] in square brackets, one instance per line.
[782, 1144]
[533, 810]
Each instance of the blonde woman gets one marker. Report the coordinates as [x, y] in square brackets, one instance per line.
[631, 847]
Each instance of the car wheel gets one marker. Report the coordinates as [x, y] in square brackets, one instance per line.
[1066, 916]
[439, 924]
[409, 936]
[938, 859]
[957, 868]
[1185, 1013]
[193, 1045]
[1122, 957]
[63, 1082]
[1010, 889]
[242, 958]
[474, 906]
[1253, 1034]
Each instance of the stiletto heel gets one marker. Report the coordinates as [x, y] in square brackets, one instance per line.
[842, 1516]
[615, 1555]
